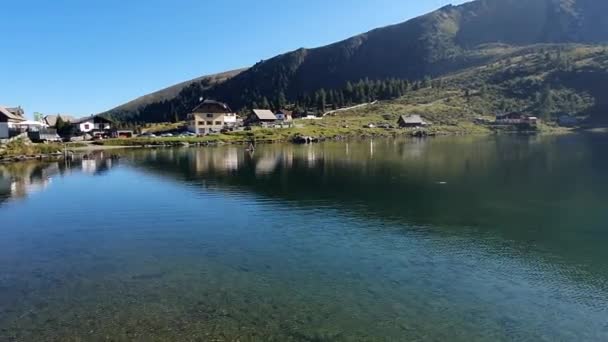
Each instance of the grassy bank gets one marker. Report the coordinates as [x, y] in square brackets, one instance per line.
[330, 128]
[451, 118]
[23, 148]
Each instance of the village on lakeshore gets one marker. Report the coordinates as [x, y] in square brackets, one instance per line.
[209, 117]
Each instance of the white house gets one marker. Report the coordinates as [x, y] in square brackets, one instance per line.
[9, 118]
[210, 117]
[93, 124]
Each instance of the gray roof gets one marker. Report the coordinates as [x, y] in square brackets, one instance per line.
[89, 118]
[51, 120]
[11, 114]
[264, 114]
[413, 119]
[220, 106]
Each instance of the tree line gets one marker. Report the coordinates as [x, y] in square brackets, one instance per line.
[319, 101]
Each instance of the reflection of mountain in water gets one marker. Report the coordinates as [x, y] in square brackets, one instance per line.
[18, 180]
[532, 190]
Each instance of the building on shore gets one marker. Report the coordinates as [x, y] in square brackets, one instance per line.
[516, 119]
[211, 117]
[407, 121]
[51, 120]
[284, 115]
[262, 116]
[94, 125]
[10, 118]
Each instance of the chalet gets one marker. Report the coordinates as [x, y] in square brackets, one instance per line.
[9, 119]
[211, 117]
[94, 125]
[412, 121]
[516, 119]
[262, 116]
[51, 120]
[284, 115]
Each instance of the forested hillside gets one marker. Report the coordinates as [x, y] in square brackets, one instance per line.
[387, 62]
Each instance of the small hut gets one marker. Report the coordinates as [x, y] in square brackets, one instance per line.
[412, 121]
[262, 116]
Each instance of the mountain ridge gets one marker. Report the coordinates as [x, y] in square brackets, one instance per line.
[172, 91]
[449, 39]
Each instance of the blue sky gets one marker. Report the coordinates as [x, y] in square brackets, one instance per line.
[82, 57]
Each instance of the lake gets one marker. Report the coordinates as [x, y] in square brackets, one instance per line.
[456, 238]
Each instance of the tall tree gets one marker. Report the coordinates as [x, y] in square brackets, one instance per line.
[546, 103]
[281, 100]
[321, 98]
[265, 103]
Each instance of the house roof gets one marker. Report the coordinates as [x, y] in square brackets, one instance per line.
[212, 106]
[412, 119]
[12, 113]
[89, 118]
[51, 120]
[264, 114]
[16, 110]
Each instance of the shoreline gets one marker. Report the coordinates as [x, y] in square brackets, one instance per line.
[266, 136]
[189, 142]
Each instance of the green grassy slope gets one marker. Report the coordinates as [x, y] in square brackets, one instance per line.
[544, 80]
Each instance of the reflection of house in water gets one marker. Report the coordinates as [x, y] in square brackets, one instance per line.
[97, 164]
[231, 159]
[267, 163]
[19, 180]
[20, 189]
[225, 159]
[414, 148]
[288, 157]
[311, 156]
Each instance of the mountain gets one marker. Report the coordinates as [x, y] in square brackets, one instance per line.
[172, 92]
[445, 41]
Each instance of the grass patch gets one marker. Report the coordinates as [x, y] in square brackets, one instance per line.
[22, 148]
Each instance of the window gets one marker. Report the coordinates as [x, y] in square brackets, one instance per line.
[210, 123]
[209, 115]
[218, 122]
[86, 126]
[201, 123]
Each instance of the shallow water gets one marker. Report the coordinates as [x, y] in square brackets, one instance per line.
[460, 239]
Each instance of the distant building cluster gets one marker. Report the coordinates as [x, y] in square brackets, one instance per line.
[212, 117]
[13, 123]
